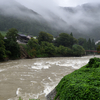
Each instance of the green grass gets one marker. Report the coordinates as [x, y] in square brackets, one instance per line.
[82, 84]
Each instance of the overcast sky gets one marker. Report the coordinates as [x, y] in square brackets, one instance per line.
[73, 2]
[65, 3]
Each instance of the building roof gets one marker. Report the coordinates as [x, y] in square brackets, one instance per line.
[22, 35]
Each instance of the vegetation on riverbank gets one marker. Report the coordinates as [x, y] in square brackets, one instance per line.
[44, 46]
[82, 84]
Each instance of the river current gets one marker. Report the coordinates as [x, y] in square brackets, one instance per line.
[35, 78]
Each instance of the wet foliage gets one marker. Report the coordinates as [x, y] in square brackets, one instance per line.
[45, 45]
[82, 84]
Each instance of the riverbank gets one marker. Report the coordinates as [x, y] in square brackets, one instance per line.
[24, 54]
[52, 95]
[81, 84]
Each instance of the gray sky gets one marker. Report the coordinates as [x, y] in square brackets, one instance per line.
[73, 2]
[58, 2]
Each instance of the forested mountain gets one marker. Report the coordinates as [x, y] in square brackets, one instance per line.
[23, 19]
[82, 21]
[86, 19]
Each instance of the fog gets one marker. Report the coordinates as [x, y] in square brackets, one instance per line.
[81, 18]
[74, 3]
[52, 12]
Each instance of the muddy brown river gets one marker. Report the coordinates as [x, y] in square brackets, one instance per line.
[35, 78]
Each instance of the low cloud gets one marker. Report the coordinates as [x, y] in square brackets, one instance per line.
[81, 18]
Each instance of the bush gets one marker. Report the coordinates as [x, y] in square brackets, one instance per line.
[78, 50]
[94, 62]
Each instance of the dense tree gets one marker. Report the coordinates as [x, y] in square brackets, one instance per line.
[66, 45]
[33, 43]
[11, 44]
[43, 36]
[78, 50]
[82, 42]
[89, 44]
[13, 47]
[2, 48]
[93, 45]
[12, 34]
[32, 47]
[63, 51]
[48, 48]
[71, 34]
[65, 40]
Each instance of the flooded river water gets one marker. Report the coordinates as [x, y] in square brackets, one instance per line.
[35, 78]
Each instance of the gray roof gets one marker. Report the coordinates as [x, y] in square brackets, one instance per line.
[22, 35]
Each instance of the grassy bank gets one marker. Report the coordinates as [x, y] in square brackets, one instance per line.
[82, 84]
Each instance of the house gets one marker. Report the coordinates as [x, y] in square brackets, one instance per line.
[23, 38]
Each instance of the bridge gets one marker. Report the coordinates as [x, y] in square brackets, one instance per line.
[91, 51]
[94, 51]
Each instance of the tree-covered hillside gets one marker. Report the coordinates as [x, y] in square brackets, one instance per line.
[32, 27]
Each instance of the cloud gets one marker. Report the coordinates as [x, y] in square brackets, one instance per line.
[16, 9]
[58, 17]
[71, 3]
[39, 6]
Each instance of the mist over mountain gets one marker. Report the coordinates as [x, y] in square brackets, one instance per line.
[82, 21]
[85, 18]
